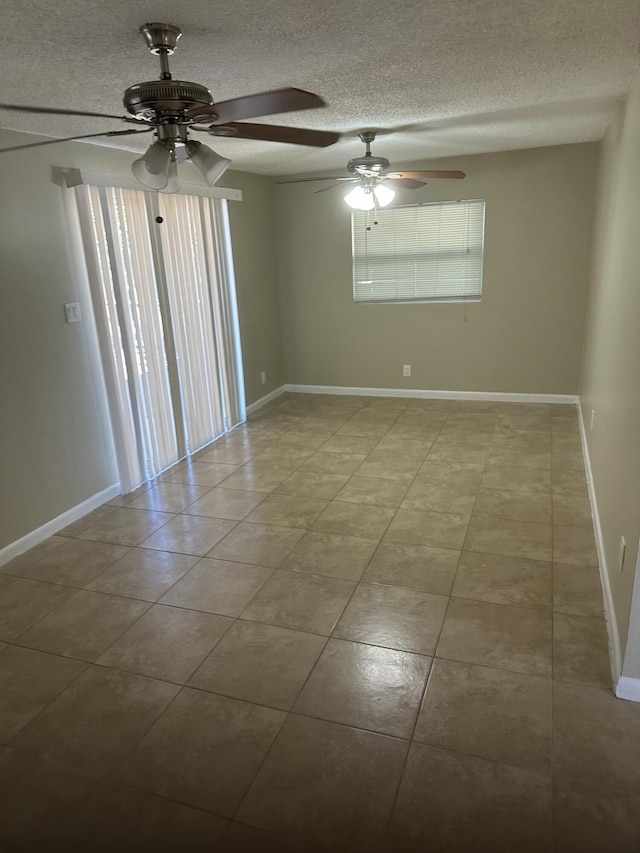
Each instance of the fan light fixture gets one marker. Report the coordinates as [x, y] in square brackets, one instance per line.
[157, 168]
[366, 197]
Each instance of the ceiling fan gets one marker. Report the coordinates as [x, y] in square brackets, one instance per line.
[173, 108]
[371, 176]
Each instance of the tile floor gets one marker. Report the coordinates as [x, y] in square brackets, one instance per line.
[353, 624]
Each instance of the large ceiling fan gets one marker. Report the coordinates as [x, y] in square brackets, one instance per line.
[372, 177]
[173, 108]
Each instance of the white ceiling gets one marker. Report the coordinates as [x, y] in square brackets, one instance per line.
[440, 77]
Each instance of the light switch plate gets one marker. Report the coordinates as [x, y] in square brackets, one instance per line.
[72, 310]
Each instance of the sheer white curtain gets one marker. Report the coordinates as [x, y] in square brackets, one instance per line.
[164, 299]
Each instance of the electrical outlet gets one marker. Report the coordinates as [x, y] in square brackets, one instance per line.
[406, 370]
[263, 377]
[621, 552]
[593, 417]
[72, 311]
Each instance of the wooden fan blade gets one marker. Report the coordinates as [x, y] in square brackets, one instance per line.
[55, 111]
[430, 174]
[306, 180]
[73, 139]
[272, 133]
[262, 104]
[333, 186]
[407, 183]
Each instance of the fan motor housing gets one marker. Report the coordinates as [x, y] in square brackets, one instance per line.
[165, 97]
[369, 163]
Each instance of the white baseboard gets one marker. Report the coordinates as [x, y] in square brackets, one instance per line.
[253, 407]
[14, 549]
[628, 688]
[615, 650]
[493, 396]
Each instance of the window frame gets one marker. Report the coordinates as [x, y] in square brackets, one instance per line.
[365, 217]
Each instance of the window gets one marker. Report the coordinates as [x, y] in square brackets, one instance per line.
[419, 252]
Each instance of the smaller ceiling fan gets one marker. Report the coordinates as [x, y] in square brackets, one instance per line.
[173, 109]
[371, 176]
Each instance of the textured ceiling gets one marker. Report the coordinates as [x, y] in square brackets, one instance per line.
[440, 77]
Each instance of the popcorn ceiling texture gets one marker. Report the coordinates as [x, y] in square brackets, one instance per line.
[441, 77]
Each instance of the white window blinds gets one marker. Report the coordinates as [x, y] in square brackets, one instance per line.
[419, 252]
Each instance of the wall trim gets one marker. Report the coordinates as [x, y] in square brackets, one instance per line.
[14, 549]
[494, 396]
[615, 650]
[628, 688]
[253, 407]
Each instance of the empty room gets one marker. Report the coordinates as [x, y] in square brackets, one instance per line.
[320, 427]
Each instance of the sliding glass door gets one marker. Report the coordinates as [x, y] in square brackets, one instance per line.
[161, 275]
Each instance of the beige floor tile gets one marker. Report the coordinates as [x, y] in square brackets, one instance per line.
[364, 428]
[252, 479]
[440, 529]
[387, 465]
[218, 586]
[536, 409]
[88, 520]
[333, 463]
[324, 426]
[507, 438]
[331, 554]
[596, 737]
[366, 686]
[404, 445]
[288, 511]
[300, 601]
[282, 458]
[328, 783]
[349, 444]
[463, 474]
[368, 522]
[524, 459]
[260, 663]
[24, 602]
[312, 484]
[490, 407]
[299, 440]
[374, 490]
[460, 803]
[566, 460]
[430, 419]
[84, 625]
[167, 643]
[497, 635]
[401, 619]
[457, 451]
[198, 473]
[410, 432]
[419, 567]
[233, 504]
[204, 751]
[510, 538]
[168, 497]
[125, 526]
[569, 483]
[592, 819]
[143, 574]
[231, 455]
[516, 478]
[530, 422]
[440, 497]
[574, 545]
[189, 534]
[514, 505]
[259, 544]
[491, 713]
[577, 590]
[572, 510]
[15, 566]
[240, 838]
[98, 719]
[44, 801]
[580, 650]
[504, 580]
[29, 681]
[76, 563]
